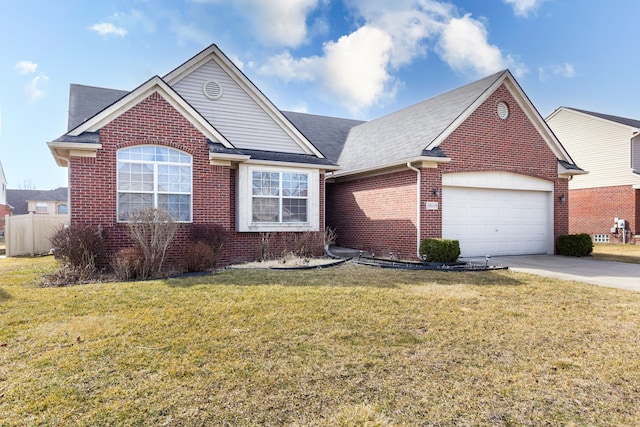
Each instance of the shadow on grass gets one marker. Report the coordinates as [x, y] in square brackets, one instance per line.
[347, 275]
[4, 296]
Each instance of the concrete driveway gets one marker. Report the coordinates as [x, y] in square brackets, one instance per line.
[604, 273]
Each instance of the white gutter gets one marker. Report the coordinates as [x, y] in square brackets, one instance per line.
[418, 204]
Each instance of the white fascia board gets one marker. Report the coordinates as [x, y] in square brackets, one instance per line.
[215, 54]
[63, 151]
[292, 164]
[424, 161]
[564, 172]
[154, 85]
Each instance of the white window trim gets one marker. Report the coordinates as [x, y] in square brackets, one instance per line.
[244, 201]
[155, 191]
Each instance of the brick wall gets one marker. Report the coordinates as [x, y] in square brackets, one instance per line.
[155, 121]
[592, 210]
[376, 214]
[379, 212]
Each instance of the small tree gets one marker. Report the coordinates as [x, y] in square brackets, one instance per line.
[152, 230]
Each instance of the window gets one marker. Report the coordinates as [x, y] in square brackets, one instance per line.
[276, 199]
[152, 176]
[279, 196]
[42, 207]
[635, 154]
[63, 209]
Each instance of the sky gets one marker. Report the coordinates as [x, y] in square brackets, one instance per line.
[351, 58]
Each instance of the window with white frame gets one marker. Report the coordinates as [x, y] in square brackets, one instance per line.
[278, 199]
[279, 196]
[151, 176]
[42, 207]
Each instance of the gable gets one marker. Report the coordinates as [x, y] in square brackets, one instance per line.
[486, 142]
[415, 134]
[600, 145]
[233, 104]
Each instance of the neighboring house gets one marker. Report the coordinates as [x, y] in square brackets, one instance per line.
[51, 202]
[5, 209]
[201, 142]
[477, 164]
[609, 147]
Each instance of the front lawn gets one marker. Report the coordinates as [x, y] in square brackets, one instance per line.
[617, 252]
[348, 346]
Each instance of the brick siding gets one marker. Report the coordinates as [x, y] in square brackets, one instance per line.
[592, 210]
[155, 121]
[379, 212]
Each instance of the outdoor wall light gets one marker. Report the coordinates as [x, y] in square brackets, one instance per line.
[562, 198]
[436, 192]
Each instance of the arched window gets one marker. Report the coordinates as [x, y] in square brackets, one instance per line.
[63, 208]
[151, 176]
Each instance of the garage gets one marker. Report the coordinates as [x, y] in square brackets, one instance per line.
[498, 221]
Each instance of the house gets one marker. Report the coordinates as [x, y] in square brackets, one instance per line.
[202, 142]
[5, 209]
[609, 147]
[477, 164]
[48, 202]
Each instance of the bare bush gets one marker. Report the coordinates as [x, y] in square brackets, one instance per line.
[153, 231]
[127, 264]
[81, 248]
[265, 251]
[213, 235]
[199, 256]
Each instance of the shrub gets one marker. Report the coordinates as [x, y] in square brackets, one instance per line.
[574, 245]
[153, 231]
[213, 235]
[80, 247]
[440, 250]
[307, 244]
[127, 264]
[264, 251]
[199, 256]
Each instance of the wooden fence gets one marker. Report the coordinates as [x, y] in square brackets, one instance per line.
[29, 234]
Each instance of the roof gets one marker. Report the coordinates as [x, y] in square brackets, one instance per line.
[87, 101]
[18, 199]
[327, 133]
[621, 120]
[406, 133]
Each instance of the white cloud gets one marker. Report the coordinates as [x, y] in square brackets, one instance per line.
[524, 7]
[564, 70]
[34, 87]
[108, 29]
[278, 22]
[465, 47]
[352, 69]
[190, 33]
[358, 69]
[26, 67]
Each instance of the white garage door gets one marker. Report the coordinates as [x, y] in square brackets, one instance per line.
[496, 222]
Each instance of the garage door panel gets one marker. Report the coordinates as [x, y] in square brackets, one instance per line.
[496, 221]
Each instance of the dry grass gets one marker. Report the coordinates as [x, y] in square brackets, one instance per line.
[617, 252]
[347, 346]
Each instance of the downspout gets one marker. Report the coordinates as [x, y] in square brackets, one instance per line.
[418, 205]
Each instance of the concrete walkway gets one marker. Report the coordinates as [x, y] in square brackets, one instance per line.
[604, 273]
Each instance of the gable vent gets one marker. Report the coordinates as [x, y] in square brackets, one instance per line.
[212, 89]
[503, 110]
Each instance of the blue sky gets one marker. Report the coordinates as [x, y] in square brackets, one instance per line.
[350, 58]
